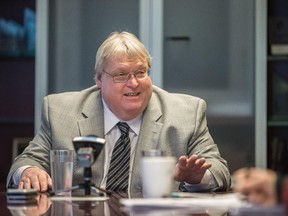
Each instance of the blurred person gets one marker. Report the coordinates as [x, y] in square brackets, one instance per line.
[261, 186]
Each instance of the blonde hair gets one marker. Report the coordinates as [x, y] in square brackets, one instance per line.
[121, 46]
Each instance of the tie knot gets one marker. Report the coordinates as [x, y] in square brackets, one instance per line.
[124, 127]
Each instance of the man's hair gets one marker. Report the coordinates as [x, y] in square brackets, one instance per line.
[121, 46]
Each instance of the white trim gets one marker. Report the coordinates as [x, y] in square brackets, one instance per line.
[261, 84]
[151, 35]
[41, 59]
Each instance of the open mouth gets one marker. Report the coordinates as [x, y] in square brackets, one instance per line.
[131, 94]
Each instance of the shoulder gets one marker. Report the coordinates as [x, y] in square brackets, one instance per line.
[73, 96]
[73, 101]
[177, 99]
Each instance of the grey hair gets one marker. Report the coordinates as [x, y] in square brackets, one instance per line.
[121, 46]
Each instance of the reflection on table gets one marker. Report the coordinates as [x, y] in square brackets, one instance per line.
[111, 206]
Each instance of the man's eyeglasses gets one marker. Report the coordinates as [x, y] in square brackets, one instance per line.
[124, 77]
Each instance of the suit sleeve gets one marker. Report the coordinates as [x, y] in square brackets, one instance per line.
[37, 152]
[203, 144]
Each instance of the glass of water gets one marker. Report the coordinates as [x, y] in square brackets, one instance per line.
[61, 163]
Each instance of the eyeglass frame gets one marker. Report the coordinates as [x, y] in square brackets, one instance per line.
[128, 75]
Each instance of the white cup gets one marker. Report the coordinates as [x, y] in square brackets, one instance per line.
[157, 175]
[61, 163]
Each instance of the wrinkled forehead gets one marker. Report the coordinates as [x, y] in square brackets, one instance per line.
[126, 58]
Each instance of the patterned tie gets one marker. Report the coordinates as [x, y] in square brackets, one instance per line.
[118, 174]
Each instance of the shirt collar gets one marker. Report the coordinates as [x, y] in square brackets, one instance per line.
[110, 120]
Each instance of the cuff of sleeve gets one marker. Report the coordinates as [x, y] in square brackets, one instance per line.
[207, 183]
[17, 175]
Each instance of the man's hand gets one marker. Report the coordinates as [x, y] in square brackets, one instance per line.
[33, 177]
[259, 185]
[191, 170]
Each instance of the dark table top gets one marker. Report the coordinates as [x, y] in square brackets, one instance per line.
[109, 207]
[43, 205]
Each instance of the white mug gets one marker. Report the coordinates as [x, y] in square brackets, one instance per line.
[157, 175]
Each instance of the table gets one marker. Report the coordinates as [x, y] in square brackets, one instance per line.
[44, 206]
[111, 207]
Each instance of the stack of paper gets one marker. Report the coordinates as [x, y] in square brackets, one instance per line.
[192, 203]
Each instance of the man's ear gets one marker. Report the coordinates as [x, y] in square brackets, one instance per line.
[98, 80]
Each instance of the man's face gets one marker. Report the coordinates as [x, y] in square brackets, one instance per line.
[125, 100]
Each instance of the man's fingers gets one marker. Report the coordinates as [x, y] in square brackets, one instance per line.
[198, 163]
[193, 163]
[182, 162]
[35, 178]
[26, 183]
[35, 182]
[49, 182]
[192, 159]
[21, 185]
[44, 182]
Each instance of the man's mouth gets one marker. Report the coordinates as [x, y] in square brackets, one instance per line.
[131, 94]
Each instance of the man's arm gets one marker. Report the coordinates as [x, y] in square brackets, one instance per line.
[36, 155]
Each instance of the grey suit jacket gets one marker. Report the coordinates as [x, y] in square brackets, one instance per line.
[175, 123]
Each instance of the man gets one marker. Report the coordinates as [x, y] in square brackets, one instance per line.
[124, 92]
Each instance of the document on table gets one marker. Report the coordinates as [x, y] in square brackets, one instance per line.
[195, 202]
[79, 198]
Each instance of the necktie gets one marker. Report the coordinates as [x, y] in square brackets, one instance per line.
[118, 174]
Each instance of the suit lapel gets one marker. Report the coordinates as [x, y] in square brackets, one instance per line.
[93, 124]
[148, 139]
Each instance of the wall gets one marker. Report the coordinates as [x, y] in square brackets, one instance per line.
[209, 52]
[17, 69]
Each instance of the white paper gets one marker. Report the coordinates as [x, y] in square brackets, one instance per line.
[197, 204]
[78, 198]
